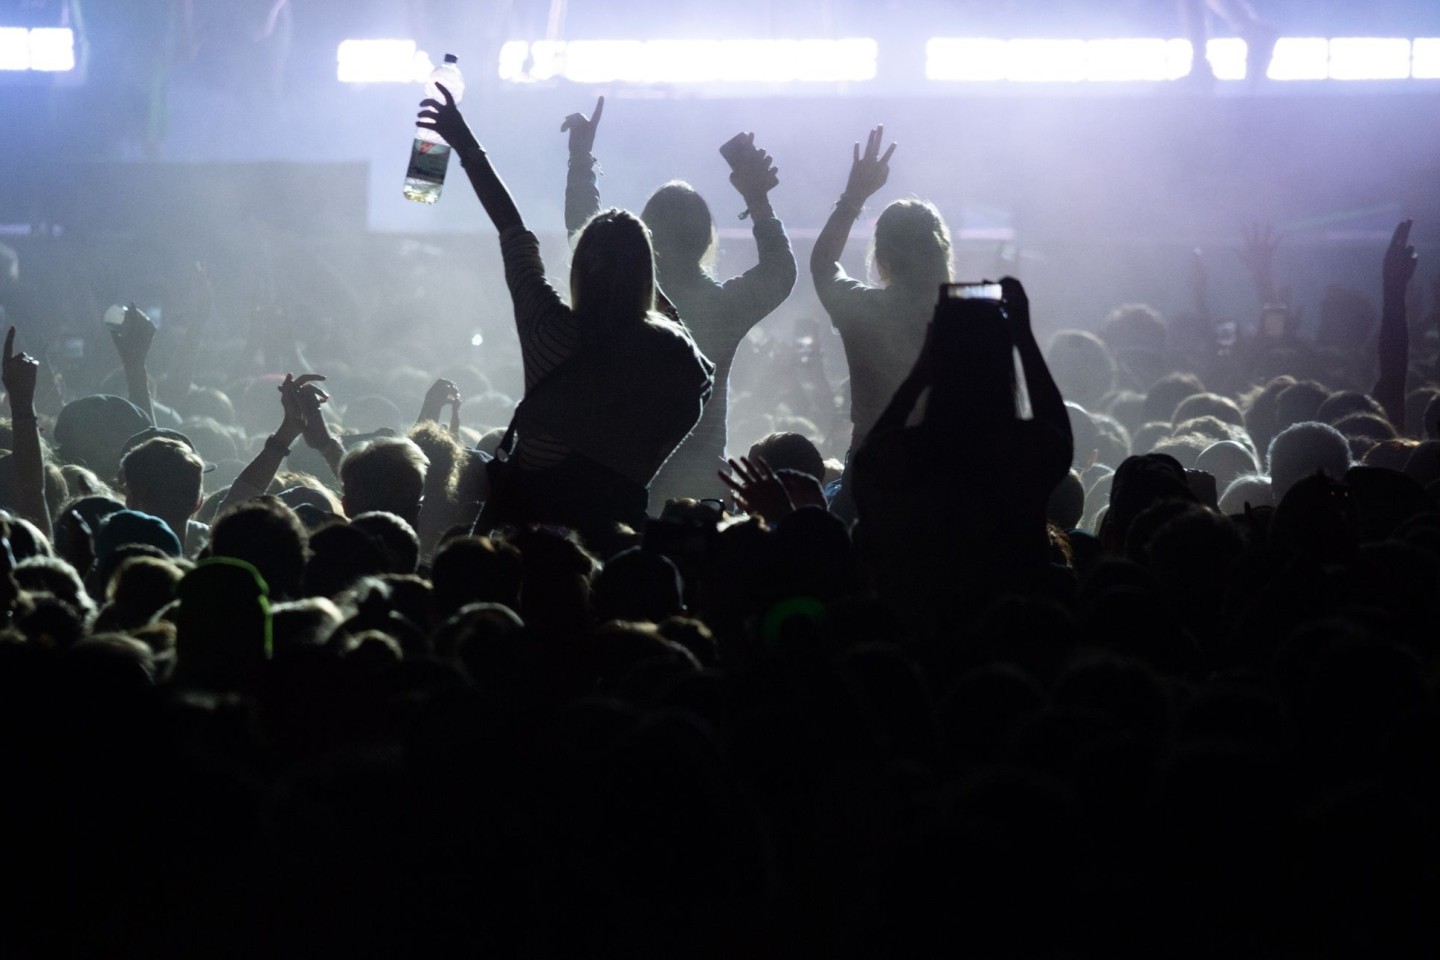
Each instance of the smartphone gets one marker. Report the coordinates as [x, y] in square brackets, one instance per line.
[982, 290]
[739, 150]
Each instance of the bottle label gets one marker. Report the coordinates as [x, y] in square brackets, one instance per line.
[428, 161]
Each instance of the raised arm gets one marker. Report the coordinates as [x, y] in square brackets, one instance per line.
[20, 374]
[764, 286]
[1046, 403]
[1396, 274]
[582, 195]
[445, 119]
[868, 173]
[132, 342]
[255, 479]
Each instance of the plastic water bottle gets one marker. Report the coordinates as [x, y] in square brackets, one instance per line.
[430, 155]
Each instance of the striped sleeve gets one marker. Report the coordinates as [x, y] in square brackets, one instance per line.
[548, 330]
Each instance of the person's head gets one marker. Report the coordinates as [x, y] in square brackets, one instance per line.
[1208, 405]
[396, 538]
[266, 534]
[912, 246]
[1082, 365]
[386, 473]
[92, 431]
[790, 451]
[972, 356]
[222, 627]
[1303, 449]
[162, 476]
[681, 226]
[476, 570]
[612, 273]
[1166, 393]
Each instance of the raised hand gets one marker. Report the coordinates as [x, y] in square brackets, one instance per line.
[20, 374]
[133, 337]
[441, 393]
[1017, 307]
[870, 170]
[1259, 258]
[582, 128]
[758, 491]
[756, 177]
[1400, 260]
[445, 119]
[301, 399]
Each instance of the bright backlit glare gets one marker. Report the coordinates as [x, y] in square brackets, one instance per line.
[1369, 58]
[47, 49]
[1425, 58]
[690, 61]
[381, 61]
[1138, 59]
[1300, 58]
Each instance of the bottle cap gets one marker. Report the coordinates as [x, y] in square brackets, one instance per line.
[451, 58]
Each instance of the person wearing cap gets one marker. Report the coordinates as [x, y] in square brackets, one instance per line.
[163, 477]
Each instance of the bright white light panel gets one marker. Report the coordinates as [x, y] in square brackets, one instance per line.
[691, 61]
[381, 61]
[46, 49]
[1135, 59]
[853, 60]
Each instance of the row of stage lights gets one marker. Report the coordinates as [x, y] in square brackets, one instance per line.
[852, 60]
[947, 59]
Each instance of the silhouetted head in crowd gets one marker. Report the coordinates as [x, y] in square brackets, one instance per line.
[1342, 403]
[222, 626]
[1303, 449]
[612, 274]
[387, 473]
[266, 534]
[476, 570]
[1138, 484]
[789, 451]
[163, 477]
[92, 431]
[1225, 460]
[1082, 366]
[978, 388]
[1067, 502]
[912, 247]
[1166, 393]
[1208, 405]
[1299, 403]
[140, 588]
[397, 539]
[639, 585]
[681, 228]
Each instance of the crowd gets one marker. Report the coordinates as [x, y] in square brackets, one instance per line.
[1144, 665]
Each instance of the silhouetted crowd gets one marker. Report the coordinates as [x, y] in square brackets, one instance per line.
[1144, 666]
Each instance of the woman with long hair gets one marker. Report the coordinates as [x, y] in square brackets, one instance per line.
[881, 325]
[718, 313]
[611, 385]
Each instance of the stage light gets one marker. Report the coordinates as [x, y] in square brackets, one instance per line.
[973, 59]
[1125, 60]
[381, 61]
[690, 61]
[1300, 58]
[1046, 61]
[14, 48]
[1425, 58]
[847, 60]
[1227, 58]
[1369, 58]
[52, 49]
